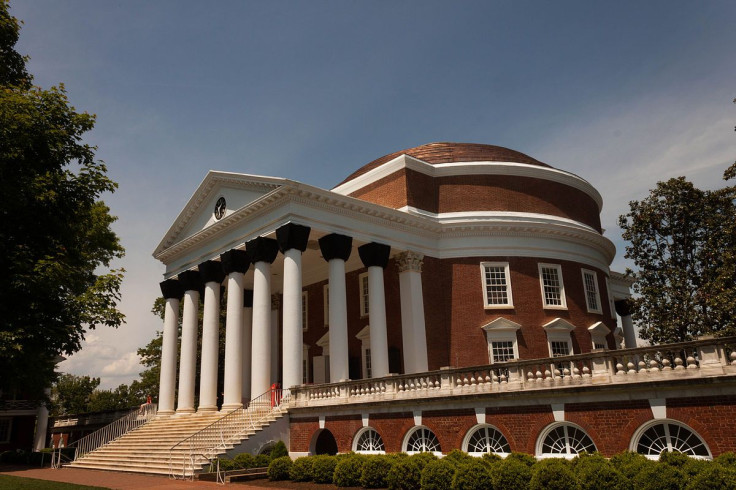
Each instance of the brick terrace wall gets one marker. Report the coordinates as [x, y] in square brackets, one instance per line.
[611, 425]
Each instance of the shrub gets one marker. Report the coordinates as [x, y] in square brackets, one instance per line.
[553, 474]
[527, 459]
[473, 475]
[323, 468]
[261, 461]
[713, 476]
[17, 456]
[458, 457]
[653, 476]
[674, 459]
[245, 460]
[423, 458]
[226, 464]
[598, 473]
[301, 470]
[629, 463]
[511, 473]
[726, 459]
[437, 475]
[491, 459]
[278, 451]
[694, 467]
[376, 469]
[280, 468]
[348, 471]
[405, 474]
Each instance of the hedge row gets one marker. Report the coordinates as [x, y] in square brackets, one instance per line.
[459, 471]
[244, 461]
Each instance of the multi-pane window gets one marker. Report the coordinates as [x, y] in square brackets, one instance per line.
[599, 345]
[369, 441]
[305, 373]
[566, 440]
[496, 285]
[559, 348]
[592, 297]
[422, 440]
[486, 439]
[502, 351]
[553, 290]
[363, 284]
[671, 437]
[368, 371]
[305, 312]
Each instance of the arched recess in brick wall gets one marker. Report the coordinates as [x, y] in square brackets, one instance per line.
[421, 439]
[323, 442]
[658, 436]
[485, 439]
[563, 440]
[368, 441]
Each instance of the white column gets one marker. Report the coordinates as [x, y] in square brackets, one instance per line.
[275, 303]
[188, 357]
[261, 346]
[293, 346]
[210, 348]
[42, 424]
[412, 312]
[627, 325]
[338, 322]
[377, 315]
[234, 343]
[247, 344]
[169, 341]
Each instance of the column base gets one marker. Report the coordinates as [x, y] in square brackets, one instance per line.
[165, 412]
[207, 409]
[232, 406]
[185, 410]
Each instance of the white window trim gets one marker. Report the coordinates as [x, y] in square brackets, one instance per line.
[405, 442]
[543, 435]
[634, 444]
[611, 302]
[326, 303]
[599, 310]
[563, 300]
[598, 334]
[305, 363]
[559, 330]
[469, 433]
[501, 330]
[357, 437]
[507, 273]
[305, 311]
[363, 308]
[365, 343]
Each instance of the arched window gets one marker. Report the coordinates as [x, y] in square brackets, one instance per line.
[483, 439]
[368, 441]
[564, 440]
[421, 440]
[654, 438]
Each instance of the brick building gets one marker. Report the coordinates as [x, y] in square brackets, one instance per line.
[448, 296]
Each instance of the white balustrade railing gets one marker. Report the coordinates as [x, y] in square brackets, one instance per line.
[700, 358]
[134, 419]
[205, 445]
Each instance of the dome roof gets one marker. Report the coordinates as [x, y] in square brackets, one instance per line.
[435, 153]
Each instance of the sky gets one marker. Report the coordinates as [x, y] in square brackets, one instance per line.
[623, 94]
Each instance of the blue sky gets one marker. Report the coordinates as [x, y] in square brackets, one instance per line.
[621, 93]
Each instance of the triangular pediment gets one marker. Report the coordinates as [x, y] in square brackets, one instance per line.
[501, 325]
[599, 328]
[559, 325]
[236, 190]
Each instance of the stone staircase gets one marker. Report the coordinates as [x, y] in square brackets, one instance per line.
[179, 445]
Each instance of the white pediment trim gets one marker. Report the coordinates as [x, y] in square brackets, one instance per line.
[559, 325]
[364, 334]
[599, 328]
[501, 325]
[469, 168]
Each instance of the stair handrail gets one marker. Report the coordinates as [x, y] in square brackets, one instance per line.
[132, 420]
[206, 443]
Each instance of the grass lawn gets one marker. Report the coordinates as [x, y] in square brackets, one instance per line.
[17, 483]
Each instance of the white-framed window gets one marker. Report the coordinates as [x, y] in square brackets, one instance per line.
[592, 296]
[365, 350]
[326, 303]
[501, 338]
[598, 333]
[305, 310]
[559, 341]
[560, 348]
[363, 287]
[564, 440]
[553, 288]
[485, 439]
[496, 285]
[368, 441]
[421, 440]
[656, 437]
[5, 425]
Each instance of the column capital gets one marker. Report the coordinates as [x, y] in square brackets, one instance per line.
[410, 261]
[211, 271]
[190, 280]
[248, 298]
[335, 246]
[374, 254]
[623, 307]
[235, 261]
[275, 302]
[171, 289]
[293, 236]
[262, 249]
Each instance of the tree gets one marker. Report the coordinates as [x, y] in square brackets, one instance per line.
[683, 243]
[71, 394]
[55, 231]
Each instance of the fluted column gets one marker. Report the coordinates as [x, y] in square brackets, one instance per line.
[262, 252]
[623, 309]
[375, 257]
[172, 292]
[191, 284]
[212, 276]
[412, 312]
[234, 263]
[247, 343]
[336, 250]
[275, 305]
[292, 239]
